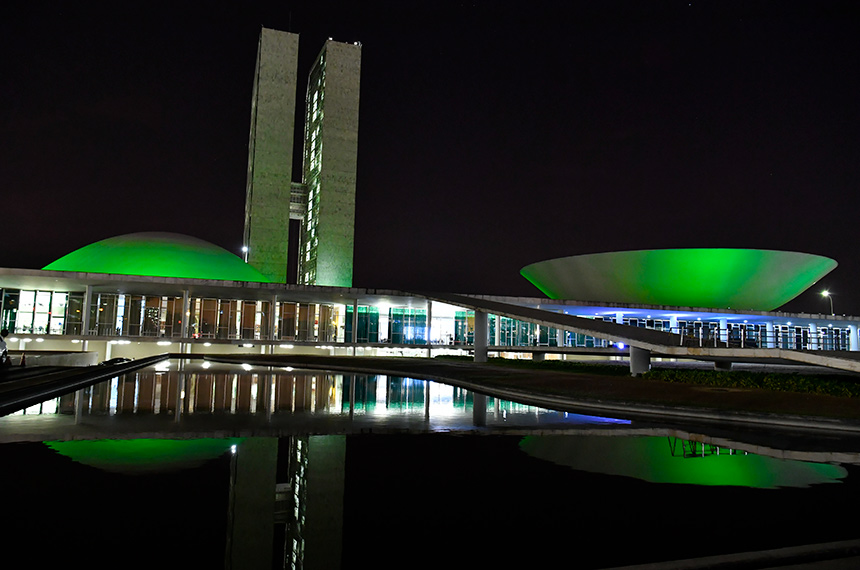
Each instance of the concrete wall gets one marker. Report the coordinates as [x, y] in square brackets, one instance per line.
[270, 154]
[336, 225]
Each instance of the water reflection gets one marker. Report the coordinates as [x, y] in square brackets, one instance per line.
[674, 460]
[346, 470]
[319, 501]
[177, 393]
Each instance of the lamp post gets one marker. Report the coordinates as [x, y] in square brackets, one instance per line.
[826, 293]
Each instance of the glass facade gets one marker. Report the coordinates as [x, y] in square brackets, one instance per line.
[313, 155]
[39, 312]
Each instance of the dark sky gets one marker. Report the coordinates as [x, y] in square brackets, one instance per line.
[493, 134]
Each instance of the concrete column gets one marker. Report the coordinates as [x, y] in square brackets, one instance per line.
[80, 396]
[479, 409]
[813, 336]
[497, 331]
[853, 343]
[480, 336]
[538, 356]
[429, 324]
[186, 310]
[722, 365]
[88, 299]
[354, 325]
[427, 401]
[273, 318]
[724, 330]
[771, 335]
[640, 361]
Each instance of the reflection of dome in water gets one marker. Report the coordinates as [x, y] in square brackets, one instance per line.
[143, 455]
[656, 460]
[157, 254]
[756, 279]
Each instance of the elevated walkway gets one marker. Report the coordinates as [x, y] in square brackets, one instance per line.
[645, 343]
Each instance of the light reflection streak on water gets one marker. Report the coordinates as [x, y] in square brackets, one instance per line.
[165, 389]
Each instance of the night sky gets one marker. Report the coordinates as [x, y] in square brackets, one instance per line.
[492, 134]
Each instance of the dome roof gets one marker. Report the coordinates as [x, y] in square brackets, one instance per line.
[141, 456]
[753, 279]
[158, 254]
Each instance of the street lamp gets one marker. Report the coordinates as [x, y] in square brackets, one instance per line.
[826, 293]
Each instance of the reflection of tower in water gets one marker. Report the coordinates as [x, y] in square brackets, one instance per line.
[290, 488]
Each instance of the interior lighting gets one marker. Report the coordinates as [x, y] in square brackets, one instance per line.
[43, 340]
[163, 343]
[285, 346]
[247, 346]
[246, 366]
[207, 344]
[15, 339]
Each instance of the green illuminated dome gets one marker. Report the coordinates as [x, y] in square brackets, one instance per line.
[158, 255]
[752, 279]
[143, 455]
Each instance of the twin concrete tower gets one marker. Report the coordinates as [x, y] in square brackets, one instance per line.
[324, 201]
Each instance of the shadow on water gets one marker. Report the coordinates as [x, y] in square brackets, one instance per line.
[295, 469]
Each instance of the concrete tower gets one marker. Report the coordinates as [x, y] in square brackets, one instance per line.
[330, 159]
[270, 154]
[325, 199]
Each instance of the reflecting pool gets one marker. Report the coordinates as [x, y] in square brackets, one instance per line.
[202, 467]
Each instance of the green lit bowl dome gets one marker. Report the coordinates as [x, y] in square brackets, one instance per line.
[157, 254]
[752, 279]
[140, 456]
